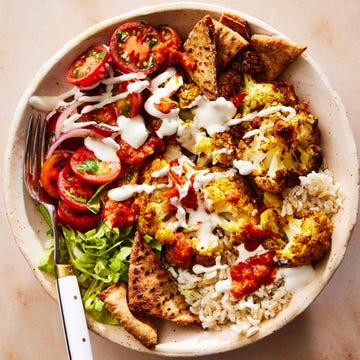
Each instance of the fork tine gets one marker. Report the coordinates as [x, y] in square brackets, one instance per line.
[28, 142]
[43, 143]
[34, 151]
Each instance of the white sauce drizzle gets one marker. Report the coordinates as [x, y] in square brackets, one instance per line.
[244, 167]
[49, 103]
[108, 98]
[200, 269]
[163, 86]
[104, 149]
[127, 191]
[160, 173]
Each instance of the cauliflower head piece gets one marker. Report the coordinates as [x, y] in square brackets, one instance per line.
[297, 241]
[155, 212]
[235, 202]
[216, 149]
[259, 94]
[281, 146]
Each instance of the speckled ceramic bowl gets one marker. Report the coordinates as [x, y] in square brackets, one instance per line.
[310, 84]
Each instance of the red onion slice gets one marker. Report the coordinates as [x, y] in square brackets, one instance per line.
[81, 133]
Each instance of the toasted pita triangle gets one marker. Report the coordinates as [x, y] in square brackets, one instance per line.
[143, 329]
[201, 45]
[276, 53]
[228, 44]
[151, 289]
[237, 24]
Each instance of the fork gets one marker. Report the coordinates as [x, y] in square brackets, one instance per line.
[72, 311]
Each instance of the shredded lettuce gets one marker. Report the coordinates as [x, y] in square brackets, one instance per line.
[46, 261]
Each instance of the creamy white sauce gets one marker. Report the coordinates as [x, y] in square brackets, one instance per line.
[213, 116]
[50, 103]
[244, 254]
[244, 167]
[133, 130]
[296, 278]
[124, 77]
[163, 87]
[223, 286]
[107, 98]
[279, 109]
[160, 173]
[200, 269]
[71, 123]
[104, 149]
[127, 191]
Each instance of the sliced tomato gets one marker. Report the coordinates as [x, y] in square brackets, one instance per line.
[51, 169]
[78, 220]
[89, 168]
[129, 106]
[105, 115]
[169, 36]
[73, 190]
[131, 47]
[90, 67]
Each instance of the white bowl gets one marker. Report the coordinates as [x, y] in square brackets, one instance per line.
[310, 84]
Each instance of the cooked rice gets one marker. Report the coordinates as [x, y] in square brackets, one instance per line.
[218, 308]
[316, 191]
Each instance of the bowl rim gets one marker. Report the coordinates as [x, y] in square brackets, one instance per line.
[23, 107]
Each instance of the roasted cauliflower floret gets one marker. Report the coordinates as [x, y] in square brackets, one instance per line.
[155, 208]
[297, 241]
[234, 201]
[187, 94]
[154, 218]
[281, 146]
[259, 94]
[217, 149]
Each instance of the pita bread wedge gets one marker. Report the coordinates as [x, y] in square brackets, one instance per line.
[151, 289]
[236, 23]
[276, 53]
[115, 299]
[202, 46]
[228, 44]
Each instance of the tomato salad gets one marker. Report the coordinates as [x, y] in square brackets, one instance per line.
[73, 172]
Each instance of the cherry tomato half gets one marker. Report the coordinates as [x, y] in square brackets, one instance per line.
[51, 169]
[73, 190]
[168, 50]
[105, 115]
[131, 47]
[131, 105]
[87, 167]
[78, 220]
[169, 36]
[90, 67]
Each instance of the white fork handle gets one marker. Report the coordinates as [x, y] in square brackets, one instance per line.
[74, 321]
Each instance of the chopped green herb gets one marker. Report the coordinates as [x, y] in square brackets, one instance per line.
[88, 165]
[152, 42]
[122, 36]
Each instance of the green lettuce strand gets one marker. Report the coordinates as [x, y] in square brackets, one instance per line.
[46, 261]
[94, 203]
